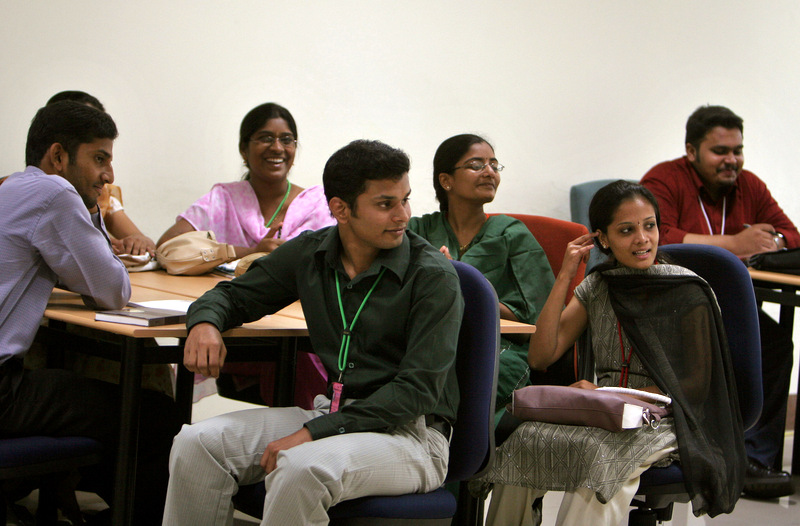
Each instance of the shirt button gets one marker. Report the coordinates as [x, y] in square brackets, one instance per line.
[341, 430]
[351, 365]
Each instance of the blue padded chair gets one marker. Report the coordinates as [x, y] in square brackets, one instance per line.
[44, 460]
[580, 195]
[472, 444]
[659, 488]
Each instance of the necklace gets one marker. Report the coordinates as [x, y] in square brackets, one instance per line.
[280, 206]
[463, 248]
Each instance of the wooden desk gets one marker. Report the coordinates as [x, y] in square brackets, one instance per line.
[195, 286]
[192, 287]
[783, 289]
[129, 345]
[189, 286]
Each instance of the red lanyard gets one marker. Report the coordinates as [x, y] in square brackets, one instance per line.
[626, 361]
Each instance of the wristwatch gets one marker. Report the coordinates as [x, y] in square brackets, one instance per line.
[777, 236]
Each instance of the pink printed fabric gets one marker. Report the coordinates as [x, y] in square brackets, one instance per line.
[231, 211]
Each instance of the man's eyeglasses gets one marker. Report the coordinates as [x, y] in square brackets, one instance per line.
[268, 140]
[477, 166]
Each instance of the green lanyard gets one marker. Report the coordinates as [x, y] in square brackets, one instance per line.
[344, 348]
[280, 206]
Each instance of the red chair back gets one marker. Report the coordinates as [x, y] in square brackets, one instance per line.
[553, 235]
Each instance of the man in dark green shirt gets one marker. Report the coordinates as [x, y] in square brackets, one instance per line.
[383, 309]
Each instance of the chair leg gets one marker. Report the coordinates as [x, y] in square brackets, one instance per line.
[58, 492]
[642, 517]
[470, 509]
[665, 514]
[47, 508]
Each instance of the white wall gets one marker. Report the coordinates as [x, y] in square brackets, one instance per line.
[567, 91]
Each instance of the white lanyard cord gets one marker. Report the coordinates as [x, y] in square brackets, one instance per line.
[708, 221]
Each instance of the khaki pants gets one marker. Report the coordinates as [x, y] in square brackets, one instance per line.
[211, 458]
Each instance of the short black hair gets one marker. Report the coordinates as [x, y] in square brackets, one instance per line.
[68, 123]
[77, 96]
[347, 171]
[705, 118]
[444, 161]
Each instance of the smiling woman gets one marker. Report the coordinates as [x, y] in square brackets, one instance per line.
[258, 214]
[598, 470]
[265, 209]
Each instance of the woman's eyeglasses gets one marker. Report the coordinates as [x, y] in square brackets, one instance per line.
[268, 140]
[477, 166]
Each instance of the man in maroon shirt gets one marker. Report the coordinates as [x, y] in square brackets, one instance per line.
[706, 197]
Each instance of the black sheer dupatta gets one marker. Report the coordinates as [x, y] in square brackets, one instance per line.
[676, 329]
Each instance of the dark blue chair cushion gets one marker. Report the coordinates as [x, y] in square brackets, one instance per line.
[439, 504]
[672, 474]
[37, 455]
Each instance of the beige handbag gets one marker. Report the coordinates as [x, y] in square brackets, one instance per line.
[246, 261]
[193, 253]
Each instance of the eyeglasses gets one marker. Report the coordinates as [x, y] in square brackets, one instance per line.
[268, 140]
[477, 166]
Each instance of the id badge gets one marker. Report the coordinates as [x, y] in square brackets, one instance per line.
[337, 396]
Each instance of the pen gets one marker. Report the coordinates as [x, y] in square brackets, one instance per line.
[771, 232]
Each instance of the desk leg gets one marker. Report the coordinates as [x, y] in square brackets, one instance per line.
[796, 437]
[787, 322]
[130, 386]
[184, 392]
[287, 370]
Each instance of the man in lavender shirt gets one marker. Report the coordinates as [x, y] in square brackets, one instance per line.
[49, 238]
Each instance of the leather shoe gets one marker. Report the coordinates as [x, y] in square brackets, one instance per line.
[761, 482]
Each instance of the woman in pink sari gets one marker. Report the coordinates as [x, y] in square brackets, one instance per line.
[257, 214]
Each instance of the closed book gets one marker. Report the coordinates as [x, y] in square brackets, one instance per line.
[144, 315]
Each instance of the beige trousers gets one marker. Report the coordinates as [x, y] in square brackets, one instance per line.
[211, 458]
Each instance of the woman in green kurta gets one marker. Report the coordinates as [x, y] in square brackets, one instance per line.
[466, 175]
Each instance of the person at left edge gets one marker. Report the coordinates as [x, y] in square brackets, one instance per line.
[49, 239]
[392, 378]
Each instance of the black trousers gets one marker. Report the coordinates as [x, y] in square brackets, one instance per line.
[56, 402]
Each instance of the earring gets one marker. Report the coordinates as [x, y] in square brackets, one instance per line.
[604, 245]
[447, 188]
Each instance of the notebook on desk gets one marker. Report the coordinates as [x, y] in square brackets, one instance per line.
[147, 313]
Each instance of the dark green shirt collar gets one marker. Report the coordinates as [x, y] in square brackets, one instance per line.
[397, 259]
